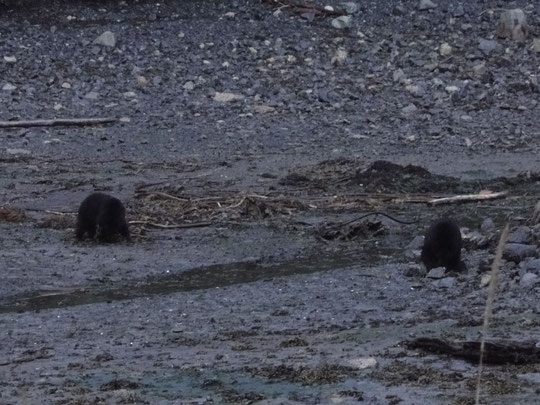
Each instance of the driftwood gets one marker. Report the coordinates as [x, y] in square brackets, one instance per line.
[315, 9]
[174, 226]
[56, 122]
[467, 198]
[495, 351]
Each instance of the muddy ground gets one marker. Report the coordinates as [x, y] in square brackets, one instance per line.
[239, 287]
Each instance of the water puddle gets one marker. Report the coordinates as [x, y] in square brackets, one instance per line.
[218, 275]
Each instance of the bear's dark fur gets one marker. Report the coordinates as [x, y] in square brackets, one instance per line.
[442, 246]
[103, 216]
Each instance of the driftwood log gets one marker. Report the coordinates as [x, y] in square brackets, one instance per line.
[56, 122]
[495, 352]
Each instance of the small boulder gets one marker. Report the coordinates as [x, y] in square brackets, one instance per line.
[513, 25]
[517, 252]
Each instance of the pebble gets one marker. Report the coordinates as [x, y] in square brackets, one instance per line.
[437, 272]
[426, 5]
[227, 97]
[414, 270]
[189, 85]
[106, 39]
[409, 109]
[447, 282]
[15, 151]
[342, 22]
[487, 46]
[92, 95]
[445, 49]
[10, 59]
[8, 87]
[488, 226]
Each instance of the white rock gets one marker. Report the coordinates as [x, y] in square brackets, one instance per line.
[340, 56]
[536, 45]
[66, 85]
[445, 49]
[125, 119]
[329, 8]
[227, 97]
[92, 95]
[363, 362]
[10, 59]
[189, 85]
[411, 108]
[106, 39]
[342, 22]
[16, 151]
[130, 94]
[264, 109]
[437, 272]
[8, 87]
[426, 5]
[58, 107]
[350, 7]
[451, 89]
[230, 14]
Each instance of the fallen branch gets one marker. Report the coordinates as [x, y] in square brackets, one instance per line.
[56, 122]
[174, 226]
[495, 351]
[467, 198]
[306, 8]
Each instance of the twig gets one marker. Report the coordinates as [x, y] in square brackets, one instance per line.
[495, 267]
[165, 195]
[467, 197]
[55, 122]
[174, 226]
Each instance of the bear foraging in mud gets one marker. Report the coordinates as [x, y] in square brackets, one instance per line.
[103, 215]
[442, 246]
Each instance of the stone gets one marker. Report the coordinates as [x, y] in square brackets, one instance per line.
[414, 270]
[8, 87]
[426, 5]
[447, 282]
[517, 252]
[92, 95]
[487, 45]
[189, 85]
[479, 70]
[488, 226]
[533, 266]
[264, 109]
[513, 25]
[437, 272]
[227, 97]
[536, 45]
[10, 59]
[340, 56]
[363, 362]
[416, 243]
[536, 214]
[16, 151]
[522, 234]
[411, 108]
[445, 49]
[398, 75]
[529, 279]
[350, 7]
[106, 39]
[342, 22]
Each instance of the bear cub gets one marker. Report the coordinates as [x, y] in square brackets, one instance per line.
[103, 216]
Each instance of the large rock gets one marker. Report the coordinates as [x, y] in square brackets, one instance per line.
[517, 252]
[513, 25]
